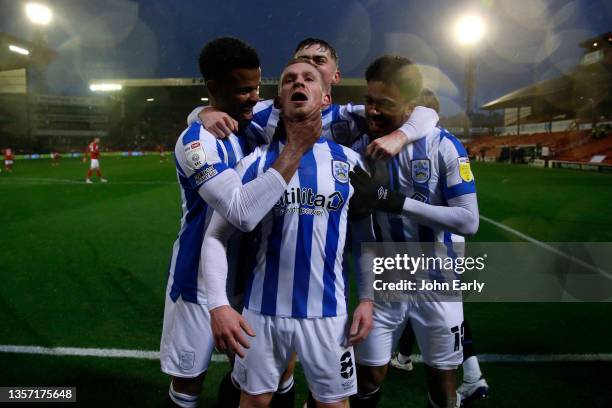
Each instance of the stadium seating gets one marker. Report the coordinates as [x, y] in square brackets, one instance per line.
[562, 144]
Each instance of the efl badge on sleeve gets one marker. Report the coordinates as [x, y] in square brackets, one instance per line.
[340, 171]
[421, 170]
[465, 172]
[195, 155]
[341, 131]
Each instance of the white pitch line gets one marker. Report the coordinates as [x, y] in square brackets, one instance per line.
[90, 352]
[154, 355]
[49, 181]
[550, 248]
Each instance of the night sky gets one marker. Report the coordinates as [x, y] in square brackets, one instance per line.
[528, 40]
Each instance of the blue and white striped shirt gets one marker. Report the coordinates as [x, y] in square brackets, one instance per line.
[298, 267]
[432, 170]
[199, 157]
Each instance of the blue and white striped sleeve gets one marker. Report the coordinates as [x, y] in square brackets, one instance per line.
[221, 186]
[456, 178]
[460, 214]
[197, 156]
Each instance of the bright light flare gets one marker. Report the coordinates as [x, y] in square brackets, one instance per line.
[105, 87]
[19, 50]
[204, 99]
[38, 13]
[469, 30]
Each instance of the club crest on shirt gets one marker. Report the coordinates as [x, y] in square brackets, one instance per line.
[341, 131]
[465, 172]
[421, 170]
[340, 171]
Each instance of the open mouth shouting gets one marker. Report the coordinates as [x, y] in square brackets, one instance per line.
[299, 97]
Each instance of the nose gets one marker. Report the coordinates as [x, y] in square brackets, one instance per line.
[298, 83]
[254, 95]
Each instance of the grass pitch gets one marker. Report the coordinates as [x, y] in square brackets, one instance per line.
[86, 266]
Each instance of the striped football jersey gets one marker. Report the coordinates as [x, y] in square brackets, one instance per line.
[199, 157]
[297, 271]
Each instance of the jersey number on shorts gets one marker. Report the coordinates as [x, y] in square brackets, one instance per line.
[346, 365]
[458, 331]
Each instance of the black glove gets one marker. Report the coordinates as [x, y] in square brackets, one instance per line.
[374, 195]
[359, 208]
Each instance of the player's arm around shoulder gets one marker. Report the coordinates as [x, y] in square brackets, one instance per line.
[421, 122]
[219, 123]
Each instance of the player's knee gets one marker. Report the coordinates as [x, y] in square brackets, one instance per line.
[255, 401]
[338, 404]
[184, 392]
[370, 378]
[190, 386]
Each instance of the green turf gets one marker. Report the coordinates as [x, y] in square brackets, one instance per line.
[85, 266]
[551, 205]
[130, 383]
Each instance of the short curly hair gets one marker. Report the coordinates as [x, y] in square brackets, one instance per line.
[399, 71]
[222, 55]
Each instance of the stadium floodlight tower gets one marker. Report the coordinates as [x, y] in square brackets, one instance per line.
[38, 13]
[469, 30]
[40, 16]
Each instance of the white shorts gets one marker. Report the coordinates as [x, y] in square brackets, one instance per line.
[437, 326]
[95, 164]
[328, 365]
[187, 342]
[8, 162]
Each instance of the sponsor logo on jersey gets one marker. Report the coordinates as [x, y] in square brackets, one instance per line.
[341, 131]
[340, 171]
[204, 175]
[298, 199]
[465, 172]
[421, 170]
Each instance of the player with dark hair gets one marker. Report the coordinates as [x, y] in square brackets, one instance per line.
[207, 182]
[424, 194]
[474, 385]
[343, 124]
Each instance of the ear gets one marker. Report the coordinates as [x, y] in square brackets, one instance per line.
[336, 77]
[326, 100]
